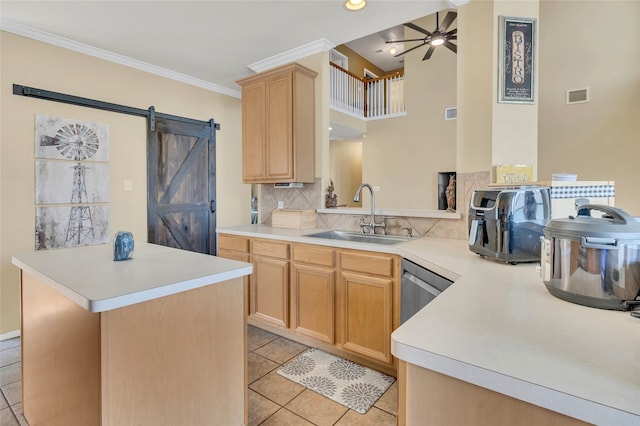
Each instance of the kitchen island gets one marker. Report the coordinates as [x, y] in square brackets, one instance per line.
[159, 339]
[497, 332]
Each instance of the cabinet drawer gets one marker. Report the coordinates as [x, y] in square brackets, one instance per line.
[233, 243]
[233, 255]
[271, 249]
[367, 262]
[314, 255]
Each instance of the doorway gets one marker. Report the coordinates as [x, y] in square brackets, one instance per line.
[181, 204]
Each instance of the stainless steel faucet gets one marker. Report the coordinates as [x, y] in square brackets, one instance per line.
[356, 198]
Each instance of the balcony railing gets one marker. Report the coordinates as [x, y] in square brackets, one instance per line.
[368, 99]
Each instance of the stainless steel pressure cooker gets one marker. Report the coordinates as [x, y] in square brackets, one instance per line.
[593, 261]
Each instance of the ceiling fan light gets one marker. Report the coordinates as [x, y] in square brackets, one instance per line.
[355, 5]
[437, 41]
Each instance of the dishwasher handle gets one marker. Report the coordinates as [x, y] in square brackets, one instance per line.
[423, 285]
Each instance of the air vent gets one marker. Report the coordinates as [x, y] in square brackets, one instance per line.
[578, 96]
[450, 113]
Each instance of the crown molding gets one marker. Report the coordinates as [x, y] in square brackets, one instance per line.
[321, 45]
[86, 49]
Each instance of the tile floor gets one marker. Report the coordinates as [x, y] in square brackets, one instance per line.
[273, 400]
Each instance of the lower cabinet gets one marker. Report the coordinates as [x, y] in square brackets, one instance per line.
[313, 292]
[367, 304]
[269, 293]
[341, 300]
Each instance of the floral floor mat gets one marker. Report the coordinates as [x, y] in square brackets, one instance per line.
[345, 382]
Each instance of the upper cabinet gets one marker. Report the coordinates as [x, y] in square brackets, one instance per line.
[278, 125]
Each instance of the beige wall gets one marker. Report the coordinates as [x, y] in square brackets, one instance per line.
[346, 170]
[475, 95]
[403, 155]
[36, 64]
[598, 140]
[357, 63]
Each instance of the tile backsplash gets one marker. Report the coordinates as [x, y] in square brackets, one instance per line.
[311, 197]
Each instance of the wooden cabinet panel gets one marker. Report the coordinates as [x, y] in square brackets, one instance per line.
[431, 398]
[342, 300]
[367, 262]
[278, 125]
[269, 294]
[233, 243]
[367, 304]
[269, 289]
[269, 248]
[279, 150]
[313, 302]
[315, 255]
[253, 131]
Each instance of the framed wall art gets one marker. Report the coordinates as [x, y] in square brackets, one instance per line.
[71, 183]
[516, 56]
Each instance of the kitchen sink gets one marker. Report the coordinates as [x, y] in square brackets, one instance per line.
[360, 238]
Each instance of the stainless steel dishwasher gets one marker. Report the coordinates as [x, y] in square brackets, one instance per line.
[418, 287]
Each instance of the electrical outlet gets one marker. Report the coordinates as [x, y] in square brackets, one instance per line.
[280, 204]
[128, 185]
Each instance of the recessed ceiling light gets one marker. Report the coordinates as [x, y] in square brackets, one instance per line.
[355, 5]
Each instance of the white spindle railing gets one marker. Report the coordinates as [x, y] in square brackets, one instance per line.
[368, 99]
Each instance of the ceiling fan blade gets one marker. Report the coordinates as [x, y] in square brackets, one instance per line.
[409, 50]
[447, 21]
[453, 31]
[452, 47]
[402, 41]
[417, 28]
[453, 38]
[429, 53]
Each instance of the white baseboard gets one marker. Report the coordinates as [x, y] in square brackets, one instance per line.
[10, 335]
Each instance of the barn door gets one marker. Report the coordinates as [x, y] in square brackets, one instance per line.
[181, 179]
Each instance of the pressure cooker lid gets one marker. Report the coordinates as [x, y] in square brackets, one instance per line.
[615, 223]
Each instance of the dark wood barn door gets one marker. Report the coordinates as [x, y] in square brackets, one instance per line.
[181, 161]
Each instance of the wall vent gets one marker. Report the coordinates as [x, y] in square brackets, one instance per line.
[577, 96]
[451, 113]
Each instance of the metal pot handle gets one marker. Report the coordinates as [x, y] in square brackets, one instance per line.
[617, 215]
[599, 243]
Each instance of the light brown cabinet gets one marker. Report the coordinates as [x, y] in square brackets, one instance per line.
[233, 247]
[427, 397]
[313, 292]
[269, 291]
[367, 284]
[278, 125]
[339, 300]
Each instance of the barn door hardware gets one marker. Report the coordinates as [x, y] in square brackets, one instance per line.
[107, 106]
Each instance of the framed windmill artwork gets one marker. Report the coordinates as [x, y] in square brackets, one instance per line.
[71, 183]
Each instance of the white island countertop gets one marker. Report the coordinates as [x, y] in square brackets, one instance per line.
[498, 327]
[91, 278]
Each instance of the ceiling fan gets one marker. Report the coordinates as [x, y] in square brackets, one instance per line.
[439, 36]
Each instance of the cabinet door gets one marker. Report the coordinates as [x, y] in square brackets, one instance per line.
[313, 306]
[279, 127]
[253, 132]
[269, 294]
[367, 315]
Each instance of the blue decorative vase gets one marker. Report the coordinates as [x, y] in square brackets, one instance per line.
[123, 246]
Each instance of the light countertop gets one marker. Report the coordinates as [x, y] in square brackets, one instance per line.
[499, 328]
[90, 277]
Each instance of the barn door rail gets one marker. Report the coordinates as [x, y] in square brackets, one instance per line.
[107, 106]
